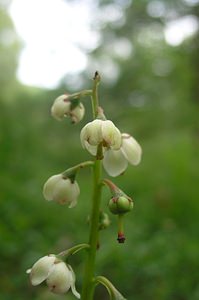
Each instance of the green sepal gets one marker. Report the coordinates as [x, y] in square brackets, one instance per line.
[70, 174]
[74, 103]
[113, 292]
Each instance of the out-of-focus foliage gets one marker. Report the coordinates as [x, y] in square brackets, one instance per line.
[149, 89]
[9, 49]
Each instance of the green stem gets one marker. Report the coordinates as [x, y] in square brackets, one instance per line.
[120, 224]
[121, 237]
[88, 284]
[73, 250]
[113, 188]
[87, 291]
[95, 101]
[73, 170]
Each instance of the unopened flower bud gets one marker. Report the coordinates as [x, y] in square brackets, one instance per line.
[120, 205]
[100, 131]
[61, 190]
[63, 107]
[104, 221]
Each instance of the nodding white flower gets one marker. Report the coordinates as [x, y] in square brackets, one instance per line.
[100, 131]
[115, 162]
[58, 275]
[63, 107]
[61, 190]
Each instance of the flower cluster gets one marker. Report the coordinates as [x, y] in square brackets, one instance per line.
[102, 139]
[59, 276]
[119, 149]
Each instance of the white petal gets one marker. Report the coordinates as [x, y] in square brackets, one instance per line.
[94, 132]
[59, 280]
[77, 113]
[111, 134]
[41, 269]
[66, 192]
[131, 149]
[60, 107]
[74, 291]
[49, 186]
[114, 162]
[75, 191]
[60, 98]
[117, 139]
[84, 136]
[91, 134]
[91, 149]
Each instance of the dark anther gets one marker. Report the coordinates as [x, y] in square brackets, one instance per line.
[121, 238]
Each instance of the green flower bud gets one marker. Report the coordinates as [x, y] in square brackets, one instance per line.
[104, 221]
[120, 205]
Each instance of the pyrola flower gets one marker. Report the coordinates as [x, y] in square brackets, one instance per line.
[61, 190]
[63, 107]
[100, 131]
[58, 275]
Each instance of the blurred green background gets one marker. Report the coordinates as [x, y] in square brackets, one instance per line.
[155, 97]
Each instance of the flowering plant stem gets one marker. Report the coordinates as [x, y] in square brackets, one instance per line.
[88, 284]
[105, 141]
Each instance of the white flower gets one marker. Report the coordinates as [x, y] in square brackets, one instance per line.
[100, 131]
[59, 276]
[63, 107]
[116, 162]
[61, 190]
